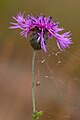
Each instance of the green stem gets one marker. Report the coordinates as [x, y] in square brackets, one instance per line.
[33, 83]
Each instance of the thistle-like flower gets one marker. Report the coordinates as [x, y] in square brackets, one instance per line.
[42, 28]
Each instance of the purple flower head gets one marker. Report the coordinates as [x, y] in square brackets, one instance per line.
[42, 28]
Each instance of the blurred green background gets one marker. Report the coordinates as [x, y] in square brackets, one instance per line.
[60, 100]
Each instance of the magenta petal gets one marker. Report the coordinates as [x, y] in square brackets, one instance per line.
[63, 41]
[50, 35]
[42, 42]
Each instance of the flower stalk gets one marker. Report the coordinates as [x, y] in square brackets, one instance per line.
[36, 115]
[33, 83]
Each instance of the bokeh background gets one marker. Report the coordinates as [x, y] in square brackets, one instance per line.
[58, 98]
